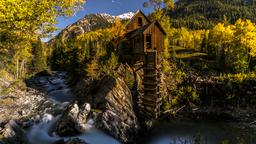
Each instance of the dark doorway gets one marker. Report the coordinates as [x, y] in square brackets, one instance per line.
[148, 41]
[140, 23]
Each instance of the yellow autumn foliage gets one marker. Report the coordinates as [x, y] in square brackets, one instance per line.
[22, 22]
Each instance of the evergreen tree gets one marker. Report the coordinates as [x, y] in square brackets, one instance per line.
[205, 14]
[39, 57]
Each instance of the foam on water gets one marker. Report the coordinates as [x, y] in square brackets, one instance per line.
[60, 93]
[95, 136]
[40, 133]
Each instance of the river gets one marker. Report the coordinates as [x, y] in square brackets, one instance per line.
[198, 132]
[162, 133]
[59, 92]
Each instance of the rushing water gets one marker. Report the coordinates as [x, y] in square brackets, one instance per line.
[58, 91]
[39, 133]
[163, 133]
[57, 88]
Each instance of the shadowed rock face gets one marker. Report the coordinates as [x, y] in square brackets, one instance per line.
[112, 97]
[73, 120]
[118, 118]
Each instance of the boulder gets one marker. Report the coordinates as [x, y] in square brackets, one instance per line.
[8, 131]
[75, 141]
[84, 88]
[118, 119]
[12, 133]
[73, 120]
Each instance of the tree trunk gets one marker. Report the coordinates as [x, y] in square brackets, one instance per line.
[22, 69]
[17, 69]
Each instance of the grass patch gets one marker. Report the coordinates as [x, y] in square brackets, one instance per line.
[238, 77]
[190, 55]
[6, 101]
[186, 53]
[177, 48]
[6, 76]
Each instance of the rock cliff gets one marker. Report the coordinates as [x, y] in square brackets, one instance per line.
[114, 105]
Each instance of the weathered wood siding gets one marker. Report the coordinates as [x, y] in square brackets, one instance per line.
[138, 44]
[133, 24]
[157, 39]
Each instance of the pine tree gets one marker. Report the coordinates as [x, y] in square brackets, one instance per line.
[39, 57]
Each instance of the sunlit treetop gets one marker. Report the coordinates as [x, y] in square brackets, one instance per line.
[246, 31]
[35, 16]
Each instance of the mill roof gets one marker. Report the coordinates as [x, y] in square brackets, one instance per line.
[135, 15]
[144, 28]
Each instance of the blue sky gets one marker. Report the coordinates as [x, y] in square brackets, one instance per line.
[113, 7]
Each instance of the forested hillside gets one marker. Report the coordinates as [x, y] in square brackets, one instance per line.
[201, 14]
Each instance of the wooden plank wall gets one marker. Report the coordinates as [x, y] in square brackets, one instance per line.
[133, 25]
[157, 38]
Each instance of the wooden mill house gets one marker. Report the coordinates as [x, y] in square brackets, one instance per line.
[145, 44]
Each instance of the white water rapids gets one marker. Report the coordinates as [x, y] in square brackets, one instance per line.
[40, 133]
[60, 93]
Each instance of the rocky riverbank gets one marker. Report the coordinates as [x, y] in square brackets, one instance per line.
[106, 105]
[111, 101]
[20, 108]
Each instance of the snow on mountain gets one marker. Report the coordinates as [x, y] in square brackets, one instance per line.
[90, 22]
[124, 16]
[107, 17]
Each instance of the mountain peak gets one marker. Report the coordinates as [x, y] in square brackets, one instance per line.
[127, 15]
[90, 22]
[123, 16]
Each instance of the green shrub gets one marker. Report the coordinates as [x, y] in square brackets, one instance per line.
[109, 66]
